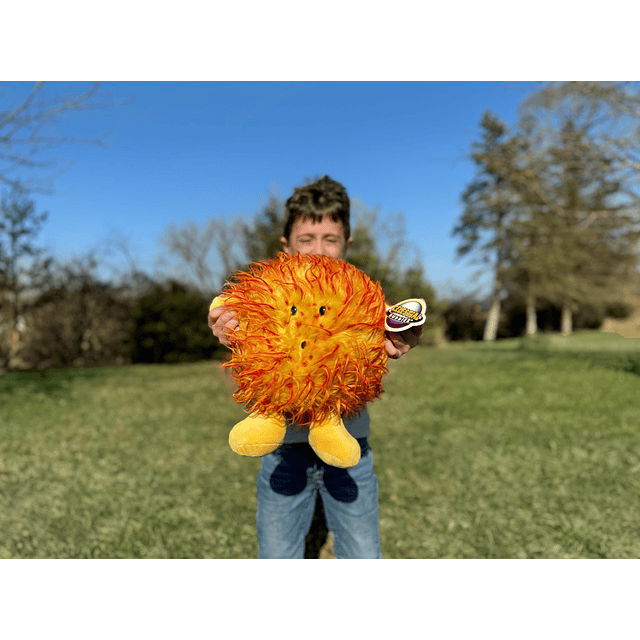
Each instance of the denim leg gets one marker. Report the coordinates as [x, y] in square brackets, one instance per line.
[286, 491]
[350, 498]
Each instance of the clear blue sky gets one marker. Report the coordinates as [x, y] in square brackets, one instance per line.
[190, 151]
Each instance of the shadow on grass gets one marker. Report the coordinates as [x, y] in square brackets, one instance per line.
[593, 350]
[56, 382]
[627, 362]
[50, 382]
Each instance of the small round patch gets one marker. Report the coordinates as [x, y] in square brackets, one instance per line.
[406, 314]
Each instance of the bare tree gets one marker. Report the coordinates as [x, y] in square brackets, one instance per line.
[205, 254]
[29, 129]
[23, 268]
[261, 236]
[78, 321]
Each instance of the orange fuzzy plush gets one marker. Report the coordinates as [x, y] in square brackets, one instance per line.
[309, 348]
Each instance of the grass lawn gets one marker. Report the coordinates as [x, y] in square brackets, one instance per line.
[523, 449]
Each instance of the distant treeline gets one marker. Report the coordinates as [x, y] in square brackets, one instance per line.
[465, 319]
[552, 213]
[55, 315]
[59, 316]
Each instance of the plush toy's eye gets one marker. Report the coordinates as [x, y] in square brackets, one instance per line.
[303, 345]
[294, 310]
[323, 310]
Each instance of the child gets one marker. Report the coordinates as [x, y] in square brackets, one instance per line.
[290, 478]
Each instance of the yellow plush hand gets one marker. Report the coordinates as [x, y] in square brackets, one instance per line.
[217, 302]
[220, 320]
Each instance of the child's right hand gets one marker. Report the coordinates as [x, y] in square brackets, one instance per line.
[221, 321]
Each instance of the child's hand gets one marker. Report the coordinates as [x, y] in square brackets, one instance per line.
[397, 343]
[222, 322]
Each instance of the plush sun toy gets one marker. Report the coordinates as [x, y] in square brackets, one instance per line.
[309, 349]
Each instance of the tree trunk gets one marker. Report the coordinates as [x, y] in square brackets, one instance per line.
[491, 326]
[532, 319]
[9, 332]
[566, 326]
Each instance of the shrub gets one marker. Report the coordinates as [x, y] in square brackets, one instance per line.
[169, 324]
[84, 326]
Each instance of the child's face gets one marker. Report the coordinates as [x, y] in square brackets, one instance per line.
[324, 238]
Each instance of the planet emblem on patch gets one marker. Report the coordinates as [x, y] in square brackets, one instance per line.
[405, 314]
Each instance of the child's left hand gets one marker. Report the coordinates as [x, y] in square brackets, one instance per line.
[399, 342]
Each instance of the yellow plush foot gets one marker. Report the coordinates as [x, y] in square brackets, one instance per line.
[257, 435]
[334, 444]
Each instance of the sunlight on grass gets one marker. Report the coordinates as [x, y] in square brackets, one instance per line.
[502, 455]
[130, 463]
[503, 451]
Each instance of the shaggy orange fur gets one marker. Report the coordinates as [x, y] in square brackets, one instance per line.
[310, 344]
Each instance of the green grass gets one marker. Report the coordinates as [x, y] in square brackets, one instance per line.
[522, 449]
[123, 463]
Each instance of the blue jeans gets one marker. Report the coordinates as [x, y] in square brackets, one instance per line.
[288, 484]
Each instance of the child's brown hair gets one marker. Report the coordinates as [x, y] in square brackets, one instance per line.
[325, 197]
